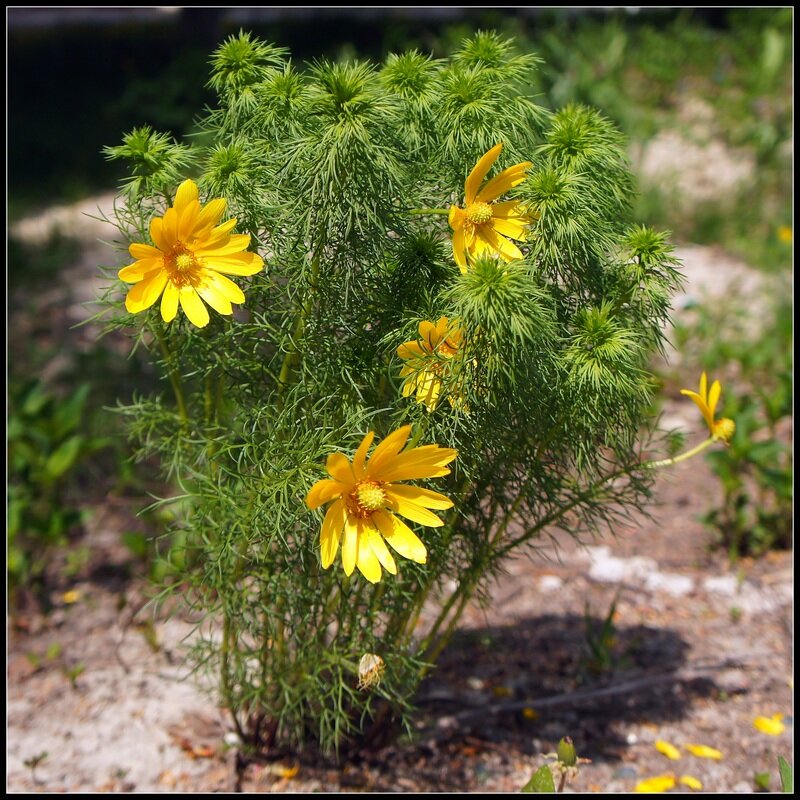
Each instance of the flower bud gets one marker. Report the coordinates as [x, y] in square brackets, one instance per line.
[566, 752]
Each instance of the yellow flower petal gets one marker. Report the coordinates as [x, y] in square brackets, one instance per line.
[656, 784]
[134, 273]
[703, 751]
[412, 511]
[241, 264]
[421, 462]
[668, 750]
[400, 537]
[350, 545]
[501, 183]
[507, 250]
[381, 550]
[359, 459]
[169, 302]
[479, 172]
[510, 227]
[224, 245]
[691, 782]
[368, 564]
[331, 532]
[144, 251]
[386, 451]
[338, 466]
[422, 497]
[208, 217]
[209, 292]
[323, 491]
[225, 286]
[193, 306]
[772, 726]
[186, 194]
[144, 294]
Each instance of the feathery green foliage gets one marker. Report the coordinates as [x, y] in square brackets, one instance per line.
[342, 174]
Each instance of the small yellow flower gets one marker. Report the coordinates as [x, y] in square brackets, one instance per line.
[668, 750]
[691, 782]
[706, 401]
[429, 359]
[483, 225]
[703, 751]
[191, 252]
[70, 597]
[370, 670]
[656, 784]
[772, 726]
[785, 234]
[366, 497]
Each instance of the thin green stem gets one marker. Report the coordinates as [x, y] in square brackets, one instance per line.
[293, 352]
[668, 462]
[427, 211]
[174, 375]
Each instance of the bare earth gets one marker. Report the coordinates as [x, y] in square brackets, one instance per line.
[700, 649]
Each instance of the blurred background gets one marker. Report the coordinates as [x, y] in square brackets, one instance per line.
[703, 95]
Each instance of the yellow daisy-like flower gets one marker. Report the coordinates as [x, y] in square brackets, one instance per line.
[428, 358]
[191, 252]
[366, 497]
[772, 726]
[707, 403]
[483, 225]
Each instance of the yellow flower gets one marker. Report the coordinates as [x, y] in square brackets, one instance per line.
[703, 751]
[427, 359]
[659, 783]
[191, 251]
[707, 403]
[668, 750]
[772, 726]
[785, 234]
[366, 498]
[483, 225]
[691, 782]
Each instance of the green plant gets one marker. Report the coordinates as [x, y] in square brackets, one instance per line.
[787, 775]
[46, 447]
[756, 469]
[341, 176]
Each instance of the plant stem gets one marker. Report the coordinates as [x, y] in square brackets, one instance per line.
[426, 211]
[174, 375]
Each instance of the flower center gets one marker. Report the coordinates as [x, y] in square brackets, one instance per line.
[724, 429]
[183, 268]
[367, 497]
[478, 213]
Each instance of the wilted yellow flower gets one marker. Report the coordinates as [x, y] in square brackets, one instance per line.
[658, 783]
[703, 751]
[691, 782]
[772, 726]
[428, 358]
[191, 251]
[707, 401]
[483, 225]
[370, 670]
[668, 750]
[366, 498]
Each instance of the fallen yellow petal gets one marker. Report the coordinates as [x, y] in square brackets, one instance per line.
[703, 751]
[691, 782]
[772, 726]
[659, 783]
[668, 750]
